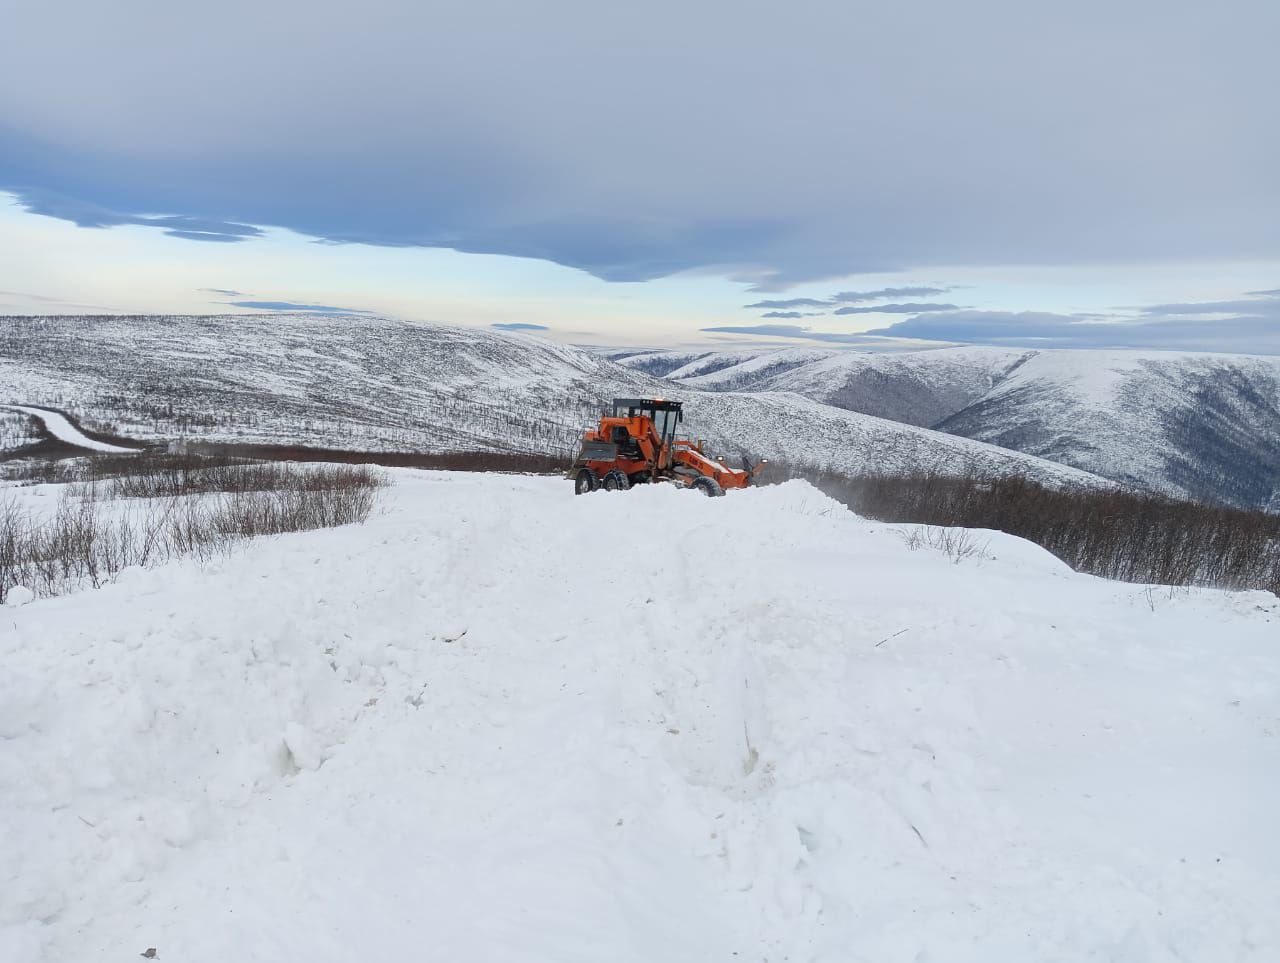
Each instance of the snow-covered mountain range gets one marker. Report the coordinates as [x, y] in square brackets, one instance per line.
[378, 384]
[1201, 425]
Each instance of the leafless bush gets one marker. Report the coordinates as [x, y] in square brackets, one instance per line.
[246, 514]
[88, 541]
[957, 544]
[253, 467]
[488, 461]
[17, 430]
[192, 474]
[37, 470]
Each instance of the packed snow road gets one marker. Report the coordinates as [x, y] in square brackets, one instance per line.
[501, 723]
[64, 429]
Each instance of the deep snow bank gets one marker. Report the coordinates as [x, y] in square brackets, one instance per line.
[499, 722]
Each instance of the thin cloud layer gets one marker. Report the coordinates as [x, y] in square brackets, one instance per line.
[858, 297]
[848, 297]
[907, 308]
[1249, 325]
[787, 303]
[793, 331]
[294, 306]
[87, 214]
[637, 141]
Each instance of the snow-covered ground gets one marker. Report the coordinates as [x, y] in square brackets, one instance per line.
[502, 723]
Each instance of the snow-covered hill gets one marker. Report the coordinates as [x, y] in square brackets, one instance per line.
[1204, 425]
[472, 733]
[379, 384]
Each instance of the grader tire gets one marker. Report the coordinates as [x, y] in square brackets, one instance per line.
[708, 486]
[585, 481]
[616, 481]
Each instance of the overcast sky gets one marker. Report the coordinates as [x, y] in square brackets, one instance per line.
[644, 172]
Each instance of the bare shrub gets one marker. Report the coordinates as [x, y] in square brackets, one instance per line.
[88, 542]
[530, 463]
[212, 467]
[194, 474]
[38, 470]
[17, 430]
[957, 544]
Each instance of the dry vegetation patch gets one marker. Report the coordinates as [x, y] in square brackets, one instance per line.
[141, 509]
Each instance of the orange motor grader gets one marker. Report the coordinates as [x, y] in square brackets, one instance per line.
[636, 442]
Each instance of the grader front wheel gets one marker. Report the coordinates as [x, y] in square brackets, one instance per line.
[708, 486]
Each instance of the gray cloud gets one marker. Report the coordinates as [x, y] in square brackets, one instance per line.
[907, 308]
[225, 292]
[847, 297]
[519, 326]
[791, 314]
[858, 297]
[294, 306]
[1181, 309]
[793, 331]
[1251, 326]
[1166, 326]
[87, 214]
[790, 303]
[983, 134]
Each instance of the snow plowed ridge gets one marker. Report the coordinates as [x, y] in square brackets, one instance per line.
[470, 731]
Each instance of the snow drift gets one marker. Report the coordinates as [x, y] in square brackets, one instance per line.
[499, 722]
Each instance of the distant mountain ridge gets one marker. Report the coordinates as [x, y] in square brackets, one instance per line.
[1199, 425]
[389, 385]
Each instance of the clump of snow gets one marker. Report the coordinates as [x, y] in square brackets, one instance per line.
[18, 595]
[303, 747]
[501, 722]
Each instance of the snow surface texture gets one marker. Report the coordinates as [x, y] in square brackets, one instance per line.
[62, 429]
[384, 385]
[766, 730]
[1199, 425]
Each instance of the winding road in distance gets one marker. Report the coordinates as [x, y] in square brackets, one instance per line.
[64, 429]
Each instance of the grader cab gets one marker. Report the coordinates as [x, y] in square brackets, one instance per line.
[636, 442]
